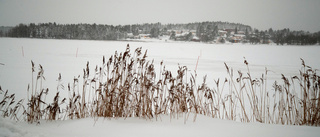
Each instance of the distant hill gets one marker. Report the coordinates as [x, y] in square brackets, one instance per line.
[209, 31]
[110, 32]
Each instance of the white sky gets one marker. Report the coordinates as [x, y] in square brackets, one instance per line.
[260, 14]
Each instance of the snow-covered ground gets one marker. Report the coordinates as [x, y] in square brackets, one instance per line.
[69, 57]
[135, 127]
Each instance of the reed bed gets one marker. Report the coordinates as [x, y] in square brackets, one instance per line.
[6, 105]
[127, 85]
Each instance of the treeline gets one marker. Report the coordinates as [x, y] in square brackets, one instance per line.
[81, 31]
[286, 36]
[204, 31]
[4, 31]
[68, 31]
[106, 32]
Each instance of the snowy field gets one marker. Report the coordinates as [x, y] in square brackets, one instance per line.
[69, 57]
[135, 127]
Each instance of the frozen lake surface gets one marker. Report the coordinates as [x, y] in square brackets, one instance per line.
[69, 57]
[60, 56]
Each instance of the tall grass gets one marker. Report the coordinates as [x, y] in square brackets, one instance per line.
[127, 85]
[6, 103]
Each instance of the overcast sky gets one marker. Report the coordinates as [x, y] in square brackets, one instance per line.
[260, 14]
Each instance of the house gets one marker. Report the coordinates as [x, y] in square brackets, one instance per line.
[144, 36]
[183, 36]
[241, 32]
[130, 35]
[229, 30]
[266, 39]
[222, 33]
[195, 39]
[236, 38]
[220, 40]
[193, 32]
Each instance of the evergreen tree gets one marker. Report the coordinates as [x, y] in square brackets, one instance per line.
[154, 32]
[209, 33]
[215, 31]
[173, 35]
[189, 36]
[236, 30]
[200, 30]
[247, 33]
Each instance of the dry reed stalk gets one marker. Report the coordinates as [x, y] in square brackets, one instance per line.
[128, 86]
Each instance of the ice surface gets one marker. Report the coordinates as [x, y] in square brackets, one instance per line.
[60, 56]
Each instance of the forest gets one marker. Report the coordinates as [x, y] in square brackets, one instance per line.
[205, 31]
